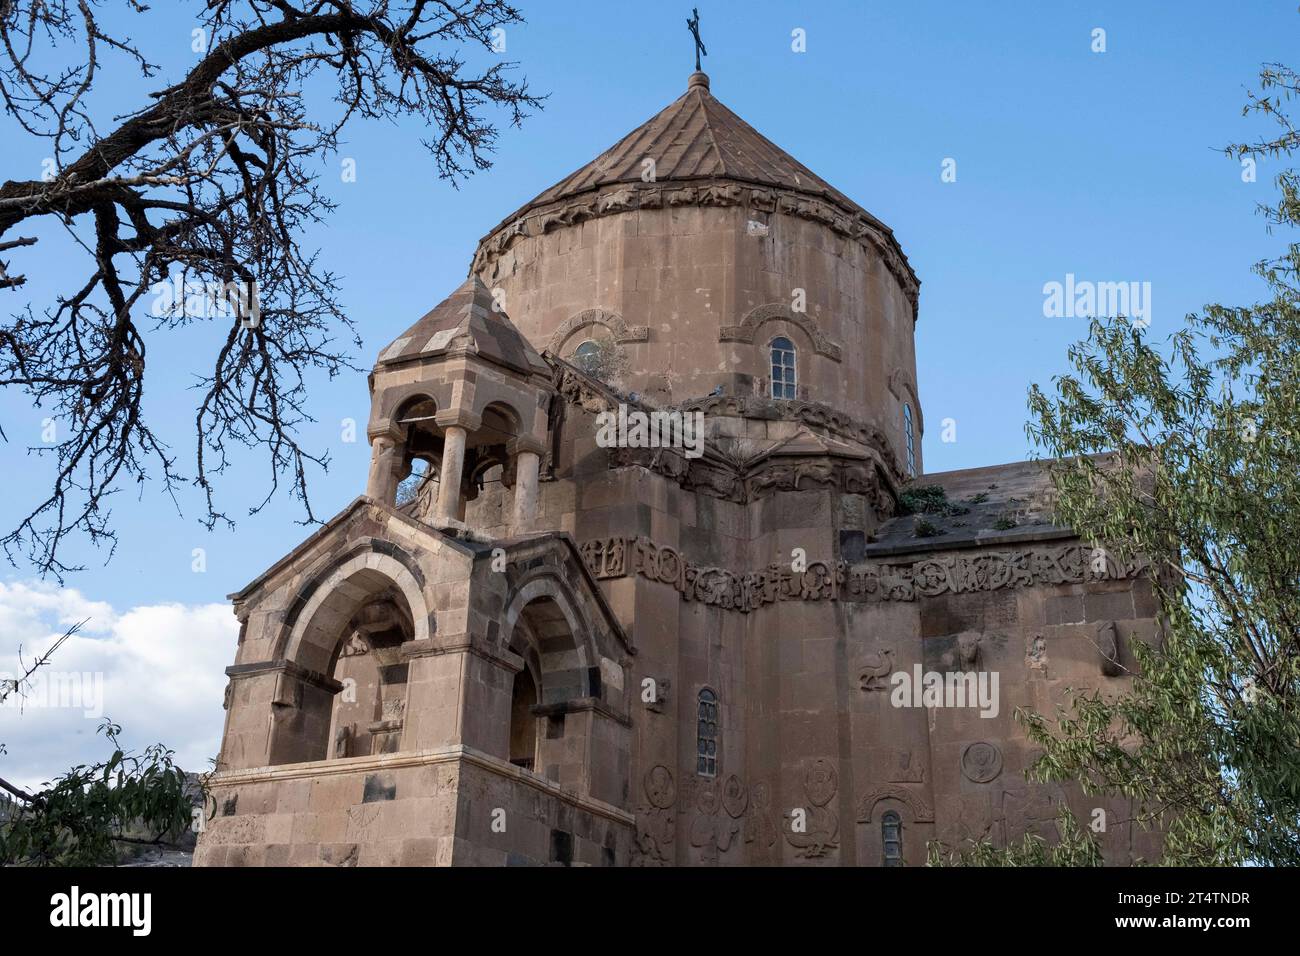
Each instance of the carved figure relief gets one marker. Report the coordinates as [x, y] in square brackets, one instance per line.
[1036, 652]
[876, 667]
[906, 769]
[760, 828]
[981, 762]
[711, 832]
[1030, 808]
[735, 797]
[965, 656]
[656, 822]
[354, 646]
[821, 824]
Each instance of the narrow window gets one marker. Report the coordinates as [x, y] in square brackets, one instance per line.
[891, 834]
[910, 436]
[783, 369]
[706, 735]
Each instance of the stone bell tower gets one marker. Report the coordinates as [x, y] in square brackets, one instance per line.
[463, 391]
[408, 691]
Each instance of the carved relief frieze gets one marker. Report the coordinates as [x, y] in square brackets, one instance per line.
[830, 581]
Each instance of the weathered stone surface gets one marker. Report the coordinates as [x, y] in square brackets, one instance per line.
[571, 653]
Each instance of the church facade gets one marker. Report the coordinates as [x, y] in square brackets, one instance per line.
[648, 571]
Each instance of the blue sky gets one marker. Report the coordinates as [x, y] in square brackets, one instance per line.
[1105, 165]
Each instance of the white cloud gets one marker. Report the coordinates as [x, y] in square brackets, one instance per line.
[157, 670]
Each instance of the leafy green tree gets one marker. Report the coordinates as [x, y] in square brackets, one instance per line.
[1075, 847]
[1188, 454]
[90, 814]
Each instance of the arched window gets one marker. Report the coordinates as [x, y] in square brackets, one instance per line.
[909, 435]
[783, 368]
[706, 735]
[587, 356]
[891, 835]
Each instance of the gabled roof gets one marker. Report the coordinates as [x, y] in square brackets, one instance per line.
[467, 319]
[804, 443]
[696, 137]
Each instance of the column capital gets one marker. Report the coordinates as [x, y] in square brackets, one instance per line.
[459, 417]
[522, 443]
[385, 429]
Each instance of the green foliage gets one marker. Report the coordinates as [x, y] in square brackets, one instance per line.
[928, 500]
[89, 813]
[925, 529]
[1004, 523]
[1074, 846]
[1188, 454]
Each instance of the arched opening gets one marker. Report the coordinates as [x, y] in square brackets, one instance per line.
[344, 687]
[556, 673]
[369, 711]
[417, 487]
[785, 383]
[523, 724]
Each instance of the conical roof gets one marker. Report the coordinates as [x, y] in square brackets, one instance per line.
[696, 137]
[467, 319]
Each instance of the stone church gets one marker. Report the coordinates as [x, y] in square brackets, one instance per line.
[526, 645]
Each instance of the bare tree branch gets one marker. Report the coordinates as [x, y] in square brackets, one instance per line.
[192, 209]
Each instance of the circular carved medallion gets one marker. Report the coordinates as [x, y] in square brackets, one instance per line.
[659, 787]
[821, 782]
[735, 798]
[981, 762]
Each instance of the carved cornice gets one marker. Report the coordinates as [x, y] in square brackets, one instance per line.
[625, 197]
[930, 576]
[813, 414]
[719, 477]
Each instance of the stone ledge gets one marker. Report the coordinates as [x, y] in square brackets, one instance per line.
[419, 758]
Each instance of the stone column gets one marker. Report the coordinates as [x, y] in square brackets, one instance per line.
[526, 466]
[385, 460]
[453, 464]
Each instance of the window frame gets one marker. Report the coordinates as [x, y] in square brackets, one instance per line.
[909, 437]
[708, 750]
[788, 380]
[891, 820]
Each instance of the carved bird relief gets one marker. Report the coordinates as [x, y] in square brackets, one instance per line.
[875, 670]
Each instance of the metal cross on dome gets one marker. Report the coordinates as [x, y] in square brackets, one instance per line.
[694, 25]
